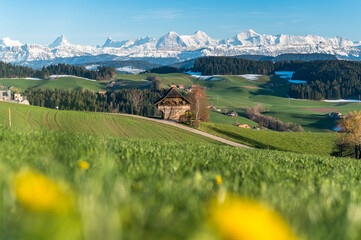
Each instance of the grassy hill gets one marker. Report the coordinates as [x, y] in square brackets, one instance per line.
[64, 82]
[145, 189]
[29, 118]
[300, 142]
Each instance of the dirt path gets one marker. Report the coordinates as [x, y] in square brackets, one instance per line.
[110, 127]
[46, 120]
[189, 129]
[56, 123]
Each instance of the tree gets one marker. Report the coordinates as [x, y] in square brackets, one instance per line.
[137, 101]
[351, 132]
[199, 103]
[156, 82]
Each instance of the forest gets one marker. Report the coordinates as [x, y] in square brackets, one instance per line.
[238, 66]
[327, 80]
[8, 70]
[132, 101]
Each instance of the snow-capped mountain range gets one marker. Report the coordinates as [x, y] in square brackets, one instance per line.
[175, 47]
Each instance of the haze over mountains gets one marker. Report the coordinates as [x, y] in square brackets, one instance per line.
[173, 47]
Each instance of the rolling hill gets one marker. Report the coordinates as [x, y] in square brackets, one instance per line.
[62, 82]
[27, 118]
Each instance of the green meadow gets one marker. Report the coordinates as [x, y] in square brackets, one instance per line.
[64, 83]
[151, 189]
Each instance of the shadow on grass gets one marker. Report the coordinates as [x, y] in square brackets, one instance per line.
[243, 139]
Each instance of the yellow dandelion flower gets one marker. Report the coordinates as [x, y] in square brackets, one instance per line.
[219, 179]
[83, 164]
[36, 192]
[244, 219]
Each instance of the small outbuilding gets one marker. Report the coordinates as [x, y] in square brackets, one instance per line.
[173, 105]
[244, 126]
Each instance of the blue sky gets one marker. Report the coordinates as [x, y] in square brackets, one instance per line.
[91, 22]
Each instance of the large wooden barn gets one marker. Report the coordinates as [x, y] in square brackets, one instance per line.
[173, 105]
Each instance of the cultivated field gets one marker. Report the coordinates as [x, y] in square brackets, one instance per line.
[27, 118]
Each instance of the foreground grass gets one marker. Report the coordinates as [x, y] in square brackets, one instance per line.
[141, 189]
[302, 142]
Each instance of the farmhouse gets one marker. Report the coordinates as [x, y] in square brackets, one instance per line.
[173, 105]
[5, 95]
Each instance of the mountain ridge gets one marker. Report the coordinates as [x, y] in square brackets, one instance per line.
[179, 47]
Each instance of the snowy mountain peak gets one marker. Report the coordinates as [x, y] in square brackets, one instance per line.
[7, 42]
[60, 41]
[199, 32]
[170, 40]
[108, 42]
[198, 40]
[247, 34]
[172, 34]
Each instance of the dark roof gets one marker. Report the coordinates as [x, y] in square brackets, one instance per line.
[173, 93]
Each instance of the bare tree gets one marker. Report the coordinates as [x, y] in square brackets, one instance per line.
[199, 102]
[156, 82]
[137, 101]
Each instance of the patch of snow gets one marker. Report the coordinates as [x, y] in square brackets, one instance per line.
[130, 69]
[284, 74]
[251, 77]
[30, 78]
[297, 81]
[63, 76]
[92, 67]
[194, 73]
[341, 100]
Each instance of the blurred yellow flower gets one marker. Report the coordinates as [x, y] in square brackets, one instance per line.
[219, 179]
[244, 219]
[36, 192]
[83, 164]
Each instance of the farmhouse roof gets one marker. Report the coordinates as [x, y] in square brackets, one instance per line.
[173, 93]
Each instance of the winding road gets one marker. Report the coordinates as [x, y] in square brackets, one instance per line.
[189, 129]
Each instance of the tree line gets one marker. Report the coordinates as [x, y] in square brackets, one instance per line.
[132, 101]
[8, 70]
[102, 72]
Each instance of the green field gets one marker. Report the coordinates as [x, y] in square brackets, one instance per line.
[28, 118]
[300, 142]
[146, 189]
